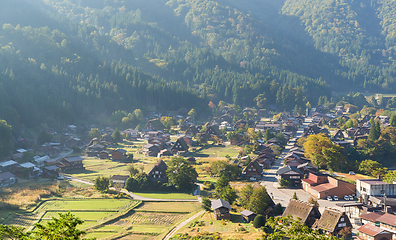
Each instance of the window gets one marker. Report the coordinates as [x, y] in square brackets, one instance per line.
[156, 172]
[342, 219]
[342, 225]
[294, 177]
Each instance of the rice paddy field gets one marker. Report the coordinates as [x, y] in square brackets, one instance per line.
[92, 211]
[110, 218]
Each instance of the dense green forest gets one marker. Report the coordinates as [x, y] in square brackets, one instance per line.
[67, 60]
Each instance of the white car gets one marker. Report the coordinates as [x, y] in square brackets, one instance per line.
[346, 198]
[351, 198]
[335, 198]
[329, 198]
[351, 173]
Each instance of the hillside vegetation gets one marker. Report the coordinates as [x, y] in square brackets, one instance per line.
[66, 60]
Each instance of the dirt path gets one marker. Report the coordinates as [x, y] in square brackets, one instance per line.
[182, 224]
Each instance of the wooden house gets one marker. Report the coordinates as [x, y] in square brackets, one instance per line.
[119, 155]
[154, 124]
[158, 172]
[253, 169]
[7, 178]
[248, 216]
[372, 232]
[70, 163]
[308, 213]
[221, 209]
[118, 181]
[51, 171]
[151, 150]
[337, 135]
[307, 168]
[180, 145]
[104, 154]
[332, 221]
[164, 153]
[213, 130]
[290, 173]
[8, 166]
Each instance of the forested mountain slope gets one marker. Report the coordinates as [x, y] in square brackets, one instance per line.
[67, 59]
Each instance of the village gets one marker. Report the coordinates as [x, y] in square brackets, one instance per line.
[264, 150]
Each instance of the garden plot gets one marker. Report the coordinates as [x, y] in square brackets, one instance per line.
[150, 220]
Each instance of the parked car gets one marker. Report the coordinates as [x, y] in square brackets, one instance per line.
[329, 198]
[351, 173]
[335, 198]
[351, 198]
[346, 198]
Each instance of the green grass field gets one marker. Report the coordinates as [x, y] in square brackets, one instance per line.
[92, 211]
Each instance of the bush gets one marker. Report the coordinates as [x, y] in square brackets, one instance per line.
[259, 221]
[206, 204]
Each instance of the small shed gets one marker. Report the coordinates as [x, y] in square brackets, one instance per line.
[118, 181]
[104, 154]
[221, 209]
[248, 216]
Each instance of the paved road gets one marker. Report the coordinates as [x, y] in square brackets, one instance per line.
[283, 196]
[182, 224]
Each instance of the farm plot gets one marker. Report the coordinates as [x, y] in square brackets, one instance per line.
[170, 207]
[155, 218]
[150, 220]
[92, 211]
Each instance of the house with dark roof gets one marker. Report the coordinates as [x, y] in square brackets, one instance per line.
[248, 216]
[290, 173]
[180, 145]
[151, 150]
[323, 185]
[337, 135]
[314, 129]
[118, 181]
[7, 178]
[306, 212]
[104, 154]
[307, 168]
[164, 153]
[70, 163]
[253, 169]
[158, 172]
[221, 209]
[332, 221]
[154, 124]
[119, 155]
[51, 171]
[372, 232]
[213, 130]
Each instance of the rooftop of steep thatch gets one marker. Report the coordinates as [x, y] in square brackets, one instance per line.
[299, 209]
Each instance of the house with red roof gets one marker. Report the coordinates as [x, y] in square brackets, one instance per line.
[382, 220]
[323, 185]
[372, 232]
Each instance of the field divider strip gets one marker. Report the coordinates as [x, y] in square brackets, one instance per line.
[154, 211]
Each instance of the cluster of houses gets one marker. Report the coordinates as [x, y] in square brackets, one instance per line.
[11, 170]
[329, 222]
[264, 160]
[373, 212]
